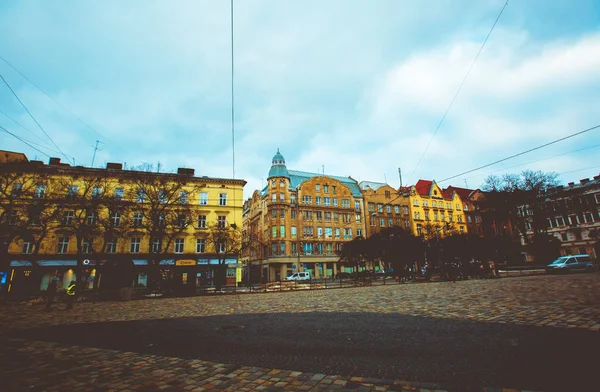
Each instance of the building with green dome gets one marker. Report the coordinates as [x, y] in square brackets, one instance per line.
[299, 221]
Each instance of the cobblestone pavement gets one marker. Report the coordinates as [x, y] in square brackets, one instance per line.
[439, 336]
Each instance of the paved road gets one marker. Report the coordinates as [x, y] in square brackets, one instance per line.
[536, 333]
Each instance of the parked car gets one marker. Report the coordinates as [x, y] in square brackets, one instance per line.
[298, 276]
[572, 263]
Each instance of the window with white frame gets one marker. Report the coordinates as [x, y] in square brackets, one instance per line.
[419, 229]
[156, 245]
[319, 232]
[404, 210]
[200, 245]
[140, 196]
[119, 194]
[178, 245]
[183, 197]
[17, 189]
[293, 231]
[63, 245]
[72, 191]
[86, 246]
[221, 247]
[274, 197]
[328, 232]
[137, 219]
[111, 246]
[318, 187]
[273, 231]
[359, 233]
[337, 232]
[222, 199]
[203, 198]
[282, 230]
[415, 202]
[115, 218]
[326, 201]
[97, 192]
[134, 245]
[40, 191]
[380, 208]
[163, 197]
[68, 217]
[91, 218]
[221, 221]
[326, 188]
[390, 222]
[293, 199]
[356, 205]
[396, 209]
[388, 209]
[27, 248]
[381, 222]
[282, 197]
[462, 229]
[358, 218]
[202, 221]
[318, 200]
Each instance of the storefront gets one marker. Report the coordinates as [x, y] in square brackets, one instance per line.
[206, 272]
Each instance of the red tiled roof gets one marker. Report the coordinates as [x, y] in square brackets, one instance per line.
[464, 193]
[423, 187]
[447, 193]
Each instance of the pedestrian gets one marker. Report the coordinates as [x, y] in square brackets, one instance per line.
[51, 291]
[71, 294]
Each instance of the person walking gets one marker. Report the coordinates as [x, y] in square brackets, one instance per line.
[51, 292]
[71, 294]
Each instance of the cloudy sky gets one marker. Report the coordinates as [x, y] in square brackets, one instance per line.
[354, 87]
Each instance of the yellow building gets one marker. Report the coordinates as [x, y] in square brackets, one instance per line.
[299, 222]
[385, 207]
[434, 212]
[110, 228]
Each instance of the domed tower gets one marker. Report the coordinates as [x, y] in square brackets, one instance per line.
[278, 168]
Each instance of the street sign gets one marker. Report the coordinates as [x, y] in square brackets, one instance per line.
[294, 267]
[86, 262]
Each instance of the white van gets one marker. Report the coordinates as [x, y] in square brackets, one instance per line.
[299, 276]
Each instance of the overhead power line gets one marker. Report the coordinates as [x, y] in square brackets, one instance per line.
[52, 99]
[23, 140]
[523, 153]
[538, 160]
[33, 118]
[23, 127]
[458, 91]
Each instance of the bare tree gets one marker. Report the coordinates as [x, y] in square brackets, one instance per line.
[226, 242]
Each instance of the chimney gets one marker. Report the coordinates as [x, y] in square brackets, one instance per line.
[54, 161]
[183, 171]
[114, 166]
[571, 183]
[584, 181]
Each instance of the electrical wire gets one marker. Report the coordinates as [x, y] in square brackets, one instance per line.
[23, 127]
[52, 99]
[22, 140]
[522, 153]
[33, 118]
[457, 91]
[537, 160]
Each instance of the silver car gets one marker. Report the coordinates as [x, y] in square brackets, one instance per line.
[572, 263]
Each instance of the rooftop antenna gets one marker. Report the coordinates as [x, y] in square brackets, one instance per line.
[95, 149]
[400, 175]
[384, 178]
[466, 186]
[323, 168]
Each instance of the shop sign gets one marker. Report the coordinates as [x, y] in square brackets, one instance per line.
[185, 262]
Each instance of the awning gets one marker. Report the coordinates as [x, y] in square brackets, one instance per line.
[57, 263]
[140, 262]
[20, 263]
